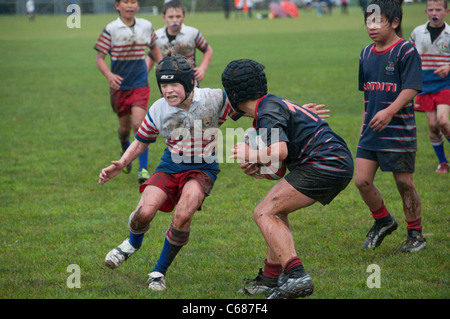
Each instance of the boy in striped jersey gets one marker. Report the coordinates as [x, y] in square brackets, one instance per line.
[390, 76]
[432, 41]
[126, 39]
[183, 39]
[189, 119]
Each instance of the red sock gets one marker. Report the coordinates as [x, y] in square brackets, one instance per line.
[272, 270]
[414, 225]
[380, 212]
[293, 262]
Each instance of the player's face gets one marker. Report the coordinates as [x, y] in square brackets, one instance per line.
[379, 29]
[127, 9]
[174, 18]
[436, 13]
[173, 93]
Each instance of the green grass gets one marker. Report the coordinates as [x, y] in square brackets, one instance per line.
[58, 131]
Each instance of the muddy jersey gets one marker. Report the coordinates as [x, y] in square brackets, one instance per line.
[191, 136]
[185, 43]
[310, 140]
[382, 76]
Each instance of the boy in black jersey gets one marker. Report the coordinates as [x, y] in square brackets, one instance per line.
[320, 166]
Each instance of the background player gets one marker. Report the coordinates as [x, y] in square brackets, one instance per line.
[390, 75]
[183, 39]
[432, 41]
[125, 40]
[320, 166]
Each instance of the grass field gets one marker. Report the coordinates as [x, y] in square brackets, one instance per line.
[57, 132]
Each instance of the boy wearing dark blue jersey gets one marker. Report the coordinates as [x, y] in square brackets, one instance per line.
[320, 166]
[390, 76]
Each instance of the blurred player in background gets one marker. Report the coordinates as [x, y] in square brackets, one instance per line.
[432, 41]
[183, 39]
[320, 166]
[390, 75]
[125, 39]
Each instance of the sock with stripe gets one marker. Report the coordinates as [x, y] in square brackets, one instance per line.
[174, 241]
[438, 146]
[143, 160]
[381, 215]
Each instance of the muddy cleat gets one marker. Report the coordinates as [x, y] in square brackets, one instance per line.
[261, 284]
[143, 175]
[295, 285]
[377, 233]
[118, 255]
[415, 242]
[442, 168]
[156, 281]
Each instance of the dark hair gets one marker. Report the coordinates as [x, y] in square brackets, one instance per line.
[392, 9]
[175, 4]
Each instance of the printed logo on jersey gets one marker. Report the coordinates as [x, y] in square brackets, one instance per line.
[390, 67]
[206, 122]
[380, 86]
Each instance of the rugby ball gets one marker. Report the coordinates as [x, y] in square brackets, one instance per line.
[268, 171]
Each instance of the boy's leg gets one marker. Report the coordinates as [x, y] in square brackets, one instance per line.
[442, 115]
[385, 224]
[123, 132]
[138, 115]
[412, 210]
[271, 217]
[177, 235]
[435, 136]
[152, 198]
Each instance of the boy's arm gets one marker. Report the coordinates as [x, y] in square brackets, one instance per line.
[114, 80]
[154, 55]
[199, 72]
[384, 117]
[133, 151]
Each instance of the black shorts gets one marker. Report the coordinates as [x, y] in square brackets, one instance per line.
[316, 185]
[390, 161]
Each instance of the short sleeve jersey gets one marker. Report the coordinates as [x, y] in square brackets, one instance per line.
[191, 136]
[127, 46]
[185, 43]
[433, 55]
[382, 76]
[310, 140]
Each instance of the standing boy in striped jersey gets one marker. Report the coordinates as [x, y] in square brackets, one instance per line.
[125, 39]
[177, 37]
[432, 41]
[390, 75]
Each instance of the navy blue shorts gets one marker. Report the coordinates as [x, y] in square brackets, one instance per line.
[316, 185]
[390, 161]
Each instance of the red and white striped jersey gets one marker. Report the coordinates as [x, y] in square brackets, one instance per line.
[433, 55]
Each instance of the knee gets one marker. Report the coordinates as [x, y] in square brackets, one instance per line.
[182, 220]
[139, 221]
[362, 183]
[442, 122]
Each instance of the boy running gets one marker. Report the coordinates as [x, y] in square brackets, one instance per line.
[390, 76]
[432, 41]
[188, 118]
[320, 166]
[125, 39]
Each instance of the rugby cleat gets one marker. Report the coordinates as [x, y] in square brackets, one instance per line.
[414, 243]
[377, 233]
[295, 285]
[261, 284]
[118, 255]
[143, 175]
[156, 281]
[442, 168]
